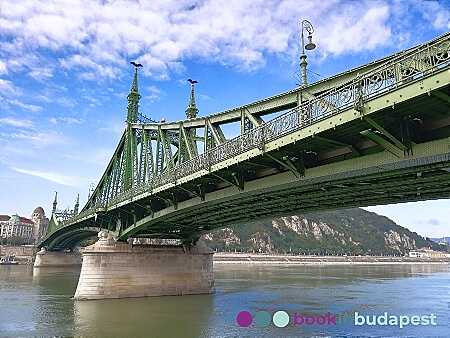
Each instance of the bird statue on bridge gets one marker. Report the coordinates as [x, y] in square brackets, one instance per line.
[136, 64]
[192, 81]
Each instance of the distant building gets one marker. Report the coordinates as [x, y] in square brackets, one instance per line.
[31, 230]
[417, 254]
[427, 252]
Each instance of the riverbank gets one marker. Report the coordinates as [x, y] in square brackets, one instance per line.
[27, 255]
[245, 258]
[24, 254]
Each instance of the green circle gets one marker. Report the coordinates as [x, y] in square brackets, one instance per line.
[262, 318]
[280, 319]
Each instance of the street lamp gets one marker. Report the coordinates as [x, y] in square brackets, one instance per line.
[309, 46]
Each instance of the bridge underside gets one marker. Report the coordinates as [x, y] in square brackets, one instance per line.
[421, 178]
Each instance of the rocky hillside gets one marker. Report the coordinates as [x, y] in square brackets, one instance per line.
[349, 231]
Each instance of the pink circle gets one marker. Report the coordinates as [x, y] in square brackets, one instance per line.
[244, 318]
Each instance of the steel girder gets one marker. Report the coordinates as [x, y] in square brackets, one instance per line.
[329, 128]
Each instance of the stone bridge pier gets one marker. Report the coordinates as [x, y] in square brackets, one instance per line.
[120, 270]
[56, 258]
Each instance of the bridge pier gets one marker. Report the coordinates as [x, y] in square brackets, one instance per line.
[56, 258]
[120, 270]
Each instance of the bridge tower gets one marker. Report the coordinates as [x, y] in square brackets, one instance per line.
[188, 148]
[77, 205]
[55, 202]
[130, 151]
[192, 111]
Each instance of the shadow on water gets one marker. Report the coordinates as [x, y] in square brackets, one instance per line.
[174, 316]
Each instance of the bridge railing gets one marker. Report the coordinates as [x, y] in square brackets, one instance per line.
[408, 66]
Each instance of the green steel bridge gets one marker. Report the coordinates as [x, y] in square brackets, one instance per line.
[376, 134]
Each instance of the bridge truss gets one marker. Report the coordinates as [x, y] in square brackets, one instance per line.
[373, 135]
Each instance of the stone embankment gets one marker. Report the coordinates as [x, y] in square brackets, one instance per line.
[27, 255]
[23, 254]
[243, 258]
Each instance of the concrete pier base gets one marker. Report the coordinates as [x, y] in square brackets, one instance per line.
[119, 270]
[57, 258]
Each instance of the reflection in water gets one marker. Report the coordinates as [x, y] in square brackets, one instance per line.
[37, 302]
[55, 286]
[171, 315]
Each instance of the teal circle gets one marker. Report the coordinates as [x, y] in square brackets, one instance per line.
[262, 318]
[280, 319]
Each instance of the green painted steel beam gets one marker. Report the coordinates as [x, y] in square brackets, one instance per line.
[286, 163]
[214, 134]
[363, 161]
[226, 180]
[442, 96]
[382, 142]
[328, 140]
[397, 143]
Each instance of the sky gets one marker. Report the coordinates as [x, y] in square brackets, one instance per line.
[65, 73]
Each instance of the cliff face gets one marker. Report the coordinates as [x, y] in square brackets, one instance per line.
[350, 231]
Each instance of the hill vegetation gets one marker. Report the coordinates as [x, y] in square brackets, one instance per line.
[350, 231]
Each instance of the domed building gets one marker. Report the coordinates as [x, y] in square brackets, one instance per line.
[31, 230]
[40, 224]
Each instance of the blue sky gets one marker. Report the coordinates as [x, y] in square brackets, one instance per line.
[65, 72]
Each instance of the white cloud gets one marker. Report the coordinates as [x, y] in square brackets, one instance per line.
[43, 98]
[42, 74]
[93, 100]
[38, 140]
[67, 102]
[115, 127]
[16, 122]
[60, 179]
[202, 97]
[155, 93]
[8, 89]
[96, 38]
[359, 34]
[3, 69]
[71, 120]
[98, 156]
[25, 106]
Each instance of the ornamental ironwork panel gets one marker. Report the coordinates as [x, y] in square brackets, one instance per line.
[410, 65]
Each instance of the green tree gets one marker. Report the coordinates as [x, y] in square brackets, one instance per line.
[15, 240]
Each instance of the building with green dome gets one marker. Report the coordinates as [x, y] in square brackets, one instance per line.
[30, 230]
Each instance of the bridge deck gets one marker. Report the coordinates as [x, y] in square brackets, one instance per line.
[382, 137]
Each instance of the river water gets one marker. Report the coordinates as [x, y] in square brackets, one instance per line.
[36, 303]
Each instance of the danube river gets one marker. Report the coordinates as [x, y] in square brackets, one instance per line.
[36, 303]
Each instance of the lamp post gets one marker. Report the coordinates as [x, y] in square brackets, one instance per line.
[309, 46]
